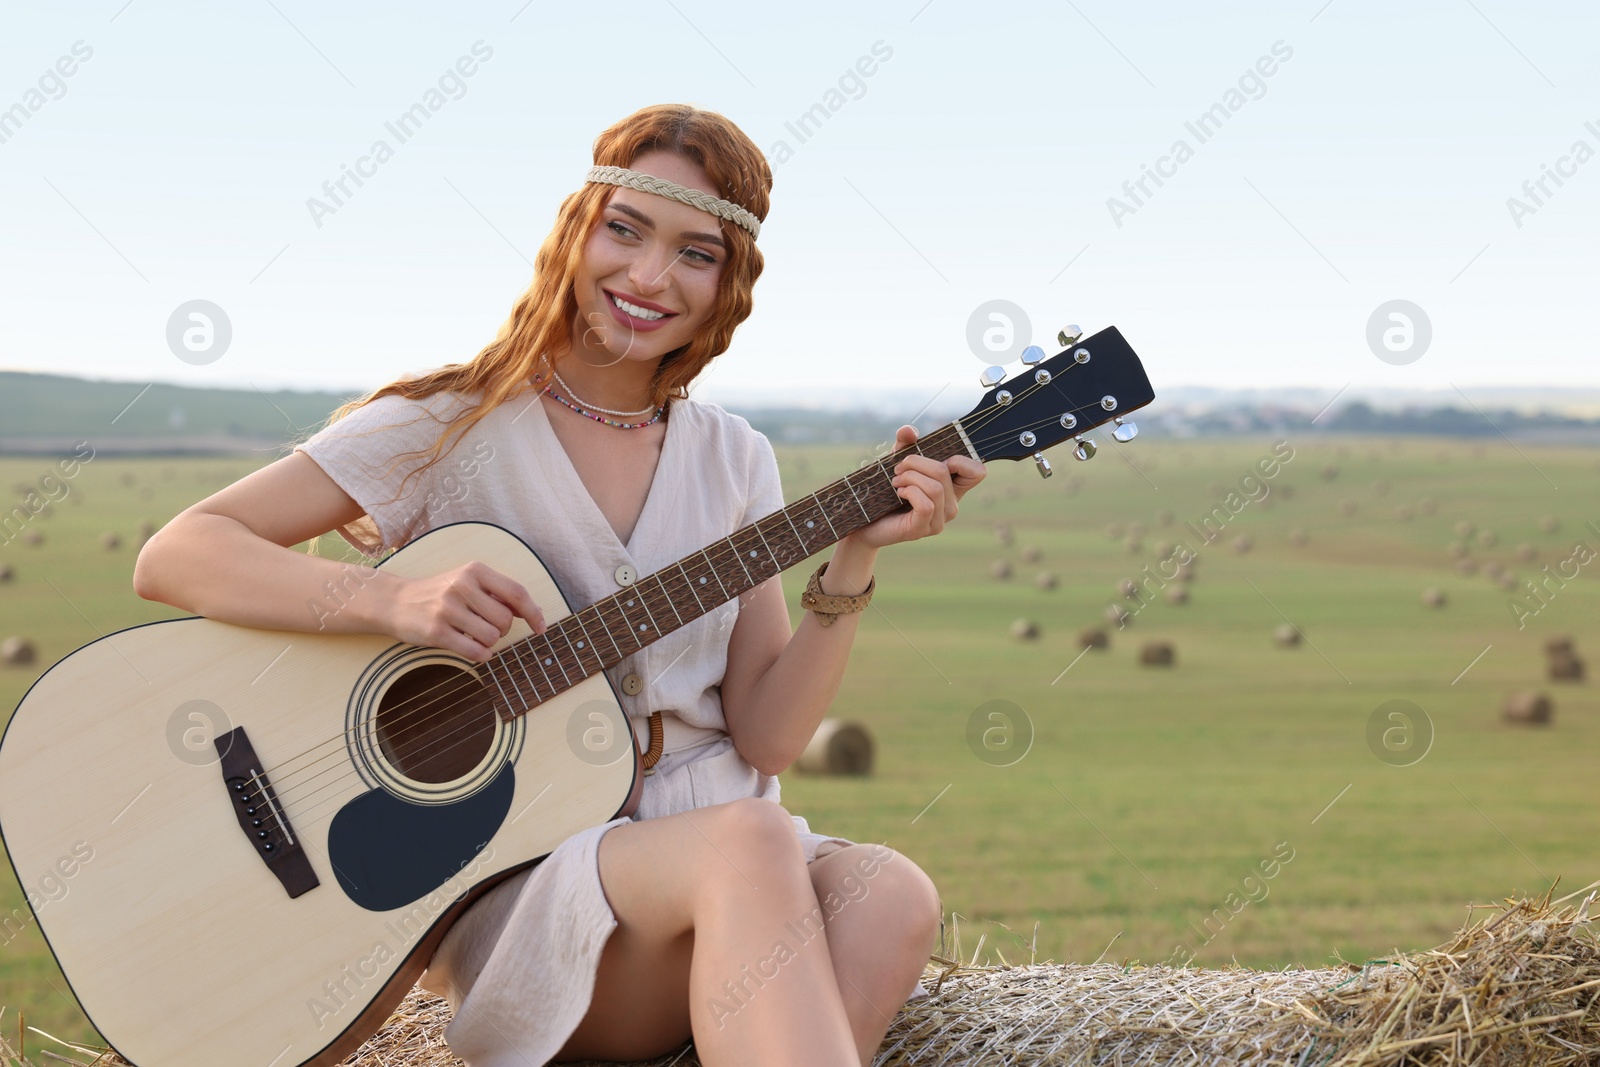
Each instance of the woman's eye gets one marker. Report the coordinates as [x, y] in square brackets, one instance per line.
[617, 227]
[707, 260]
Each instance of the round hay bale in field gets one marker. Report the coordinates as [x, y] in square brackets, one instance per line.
[1465, 529]
[1002, 533]
[1164, 551]
[1128, 589]
[1025, 630]
[1507, 581]
[1528, 708]
[1118, 614]
[1458, 549]
[1549, 524]
[1330, 472]
[1526, 552]
[1405, 513]
[1286, 491]
[1133, 546]
[1156, 654]
[147, 530]
[1380, 487]
[1164, 517]
[838, 747]
[1559, 645]
[1114, 531]
[1136, 529]
[1299, 538]
[1427, 506]
[1045, 580]
[1347, 507]
[1186, 571]
[1093, 637]
[1177, 594]
[6, 573]
[1467, 567]
[1493, 570]
[1031, 554]
[32, 538]
[1566, 668]
[17, 652]
[1243, 543]
[110, 541]
[47, 511]
[127, 478]
[1487, 539]
[1011, 492]
[1433, 597]
[1286, 634]
[1000, 570]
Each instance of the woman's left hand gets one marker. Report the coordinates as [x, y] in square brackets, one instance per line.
[930, 487]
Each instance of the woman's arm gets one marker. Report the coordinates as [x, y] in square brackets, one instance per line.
[228, 558]
[778, 685]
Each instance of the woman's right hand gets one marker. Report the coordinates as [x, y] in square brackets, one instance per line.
[465, 610]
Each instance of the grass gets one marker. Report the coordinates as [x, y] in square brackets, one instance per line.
[1148, 795]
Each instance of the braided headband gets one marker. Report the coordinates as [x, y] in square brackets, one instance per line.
[647, 183]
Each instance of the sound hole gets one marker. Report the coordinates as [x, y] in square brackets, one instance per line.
[435, 723]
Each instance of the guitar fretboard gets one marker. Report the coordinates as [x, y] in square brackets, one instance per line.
[539, 666]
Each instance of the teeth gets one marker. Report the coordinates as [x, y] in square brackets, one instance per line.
[635, 311]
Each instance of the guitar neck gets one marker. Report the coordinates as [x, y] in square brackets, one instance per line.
[536, 668]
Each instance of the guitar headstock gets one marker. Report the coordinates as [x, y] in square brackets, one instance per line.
[1092, 381]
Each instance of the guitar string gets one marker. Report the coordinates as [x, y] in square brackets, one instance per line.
[299, 777]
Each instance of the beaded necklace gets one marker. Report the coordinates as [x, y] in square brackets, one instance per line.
[619, 425]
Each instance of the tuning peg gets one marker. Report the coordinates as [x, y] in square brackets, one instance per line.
[1032, 355]
[1044, 464]
[1086, 448]
[991, 377]
[1125, 431]
[1069, 335]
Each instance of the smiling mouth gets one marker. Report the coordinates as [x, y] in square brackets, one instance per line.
[643, 314]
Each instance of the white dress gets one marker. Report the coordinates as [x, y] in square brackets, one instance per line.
[519, 967]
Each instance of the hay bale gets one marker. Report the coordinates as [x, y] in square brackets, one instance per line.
[17, 652]
[1128, 589]
[1526, 552]
[1330, 472]
[1527, 708]
[1347, 507]
[1559, 645]
[1549, 524]
[32, 538]
[6, 573]
[1487, 539]
[1164, 517]
[1433, 597]
[1243, 543]
[1133, 546]
[1164, 551]
[110, 541]
[1114, 531]
[1492, 570]
[1380, 487]
[147, 530]
[1002, 533]
[838, 747]
[1156, 654]
[1186, 571]
[1465, 529]
[1136, 529]
[1405, 513]
[1427, 506]
[1467, 567]
[1566, 668]
[1045, 580]
[1031, 554]
[1118, 614]
[1000, 570]
[1459, 549]
[1299, 538]
[1286, 634]
[1507, 581]
[1177, 594]
[1025, 630]
[1093, 637]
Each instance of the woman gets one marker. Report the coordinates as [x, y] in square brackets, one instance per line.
[634, 935]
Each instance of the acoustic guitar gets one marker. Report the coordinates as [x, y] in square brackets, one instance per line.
[243, 846]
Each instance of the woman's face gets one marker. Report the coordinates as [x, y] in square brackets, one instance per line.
[660, 256]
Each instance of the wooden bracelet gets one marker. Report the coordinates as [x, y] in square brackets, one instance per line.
[827, 608]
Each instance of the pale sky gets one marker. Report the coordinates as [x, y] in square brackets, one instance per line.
[1361, 152]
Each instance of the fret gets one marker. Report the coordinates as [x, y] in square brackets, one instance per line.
[600, 614]
[555, 657]
[859, 504]
[714, 574]
[577, 660]
[690, 583]
[513, 650]
[500, 687]
[662, 584]
[634, 629]
[824, 509]
[554, 689]
[805, 549]
[771, 554]
[888, 477]
[587, 645]
[735, 548]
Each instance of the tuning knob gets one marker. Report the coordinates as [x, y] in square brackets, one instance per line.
[1086, 448]
[992, 376]
[1044, 464]
[1069, 335]
[1032, 355]
[1125, 431]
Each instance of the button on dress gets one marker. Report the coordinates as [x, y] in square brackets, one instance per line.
[519, 966]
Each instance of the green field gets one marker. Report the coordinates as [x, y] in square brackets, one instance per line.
[1148, 795]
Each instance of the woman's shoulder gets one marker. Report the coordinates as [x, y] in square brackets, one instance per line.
[721, 426]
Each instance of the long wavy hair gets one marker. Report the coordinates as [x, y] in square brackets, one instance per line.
[540, 320]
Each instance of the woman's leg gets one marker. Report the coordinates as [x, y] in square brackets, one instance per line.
[712, 908]
[882, 913]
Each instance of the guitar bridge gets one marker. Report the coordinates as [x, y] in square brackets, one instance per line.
[260, 816]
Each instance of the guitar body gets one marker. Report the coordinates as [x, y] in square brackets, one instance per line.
[186, 943]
